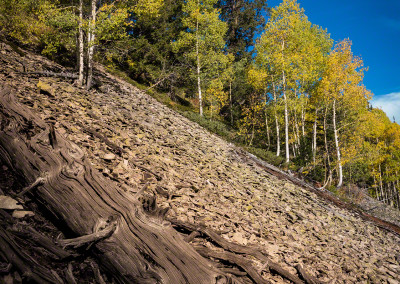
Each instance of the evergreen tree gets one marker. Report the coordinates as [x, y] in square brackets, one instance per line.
[245, 20]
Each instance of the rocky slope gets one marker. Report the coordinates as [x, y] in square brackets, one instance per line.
[134, 140]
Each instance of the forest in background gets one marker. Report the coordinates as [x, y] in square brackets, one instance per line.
[282, 84]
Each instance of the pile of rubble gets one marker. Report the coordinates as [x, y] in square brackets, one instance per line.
[134, 140]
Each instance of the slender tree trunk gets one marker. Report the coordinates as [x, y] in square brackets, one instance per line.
[286, 109]
[267, 129]
[328, 159]
[294, 150]
[91, 45]
[393, 195]
[314, 142]
[252, 135]
[198, 65]
[375, 186]
[303, 119]
[230, 101]
[294, 144]
[335, 131]
[380, 183]
[296, 124]
[397, 189]
[278, 141]
[377, 193]
[80, 43]
[286, 119]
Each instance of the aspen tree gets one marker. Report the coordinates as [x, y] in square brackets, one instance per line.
[202, 43]
[341, 84]
[108, 22]
[81, 44]
[291, 48]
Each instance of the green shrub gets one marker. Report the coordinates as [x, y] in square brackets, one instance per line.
[266, 155]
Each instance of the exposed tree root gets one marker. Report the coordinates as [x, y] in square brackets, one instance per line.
[238, 260]
[236, 248]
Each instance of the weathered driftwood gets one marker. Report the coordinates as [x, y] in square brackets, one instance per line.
[141, 249]
[31, 234]
[114, 148]
[69, 275]
[233, 249]
[29, 269]
[238, 260]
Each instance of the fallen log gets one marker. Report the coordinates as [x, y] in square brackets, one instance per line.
[30, 233]
[140, 248]
[65, 75]
[29, 269]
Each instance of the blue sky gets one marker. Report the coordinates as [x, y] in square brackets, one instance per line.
[374, 28]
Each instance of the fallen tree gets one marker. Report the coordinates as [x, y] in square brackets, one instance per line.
[132, 241]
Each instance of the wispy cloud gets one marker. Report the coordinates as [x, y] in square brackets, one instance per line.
[391, 23]
[389, 103]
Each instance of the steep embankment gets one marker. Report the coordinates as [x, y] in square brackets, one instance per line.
[134, 140]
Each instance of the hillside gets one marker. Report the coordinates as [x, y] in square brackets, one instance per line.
[134, 140]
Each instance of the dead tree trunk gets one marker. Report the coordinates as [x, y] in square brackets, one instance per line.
[132, 242]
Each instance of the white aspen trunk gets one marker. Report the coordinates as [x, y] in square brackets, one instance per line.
[376, 187]
[230, 101]
[278, 141]
[295, 145]
[91, 37]
[296, 124]
[397, 189]
[303, 118]
[328, 176]
[384, 191]
[286, 110]
[286, 120]
[80, 42]
[198, 66]
[335, 131]
[267, 129]
[252, 135]
[380, 183]
[392, 195]
[314, 142]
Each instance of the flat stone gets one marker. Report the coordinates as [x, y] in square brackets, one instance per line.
[21, 214]
[7, 202]
[109, 157]
[46, 89]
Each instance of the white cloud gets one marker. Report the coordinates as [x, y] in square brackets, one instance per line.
[389, 103]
